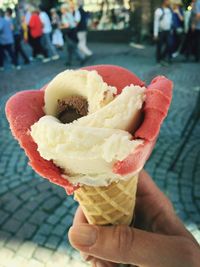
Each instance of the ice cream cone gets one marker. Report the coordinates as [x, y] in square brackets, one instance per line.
[113, 204]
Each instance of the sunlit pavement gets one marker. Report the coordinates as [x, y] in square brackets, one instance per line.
[36, 215]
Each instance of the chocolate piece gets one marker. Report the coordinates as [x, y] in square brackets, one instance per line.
[72, 108]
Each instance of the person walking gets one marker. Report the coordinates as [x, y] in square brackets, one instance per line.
[177, 26]
[196, 29]
[188, 44]
[57, 37]
[6, 41]
[46, 37]
[68, 25]
[82, 30]
[162, 32]
[35, 26]
[17, 33]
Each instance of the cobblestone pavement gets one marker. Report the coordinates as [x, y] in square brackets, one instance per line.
[36, 215]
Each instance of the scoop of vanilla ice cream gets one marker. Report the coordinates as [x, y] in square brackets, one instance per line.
[124, 112]
[87, 148]
[80, 150]
[78, 83]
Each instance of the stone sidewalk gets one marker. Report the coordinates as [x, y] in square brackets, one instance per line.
[35, 215]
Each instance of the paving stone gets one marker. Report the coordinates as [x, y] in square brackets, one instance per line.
[190, 208]
[51, 204]
[60, 192]
[182, 215]
[3, 189]
[62, 210]
[32, 205]
[13, 204]
[197, 191]
[12, 225]
[73, 209]
[14, 184]
[42, 198]
[4, 236]
[42, 254]
[63, 248]
[60, 230]
[27, 249]
[67, 220]
[44, 186]
[6, 255]
[26, 231]
[53, 219]
[38, 217]
[40, 239]
[195, 217]
[69, 202]
[13, 244]
[3, 216]
[19, 190]
[22, 214]
[18, 261]
[45, 229]
[52, 242]
[28, 194]
[61, 259]
[35, 263]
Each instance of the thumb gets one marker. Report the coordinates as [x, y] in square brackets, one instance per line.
[122, 244]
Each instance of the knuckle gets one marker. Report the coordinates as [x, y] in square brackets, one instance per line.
[124, 236]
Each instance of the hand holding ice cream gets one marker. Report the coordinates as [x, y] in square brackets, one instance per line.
[159, 238]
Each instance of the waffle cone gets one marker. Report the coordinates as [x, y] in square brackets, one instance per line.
[113, 204]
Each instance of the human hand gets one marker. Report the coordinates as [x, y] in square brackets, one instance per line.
[163, 242]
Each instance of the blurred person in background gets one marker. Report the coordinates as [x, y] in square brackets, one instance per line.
[82, 30]
[35, 26]
[17, 33]
[177, 26]
[188, 44]
[6, 40]
[25, 24]
[46, 37]
[57, 37]
[162, 33]
[196, 29]
[69, 20]
[27, 8]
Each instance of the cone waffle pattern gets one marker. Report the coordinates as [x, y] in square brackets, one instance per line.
[113, 204]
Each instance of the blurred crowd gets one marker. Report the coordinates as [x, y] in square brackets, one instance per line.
[177, 31]
[44, 33]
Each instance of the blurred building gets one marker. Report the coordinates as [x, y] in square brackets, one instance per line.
[133, 18]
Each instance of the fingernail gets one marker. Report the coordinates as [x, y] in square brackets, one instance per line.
[83, 235]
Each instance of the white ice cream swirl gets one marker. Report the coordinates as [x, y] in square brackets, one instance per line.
[87, 148]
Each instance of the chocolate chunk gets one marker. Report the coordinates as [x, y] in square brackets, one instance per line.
[72, 108]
